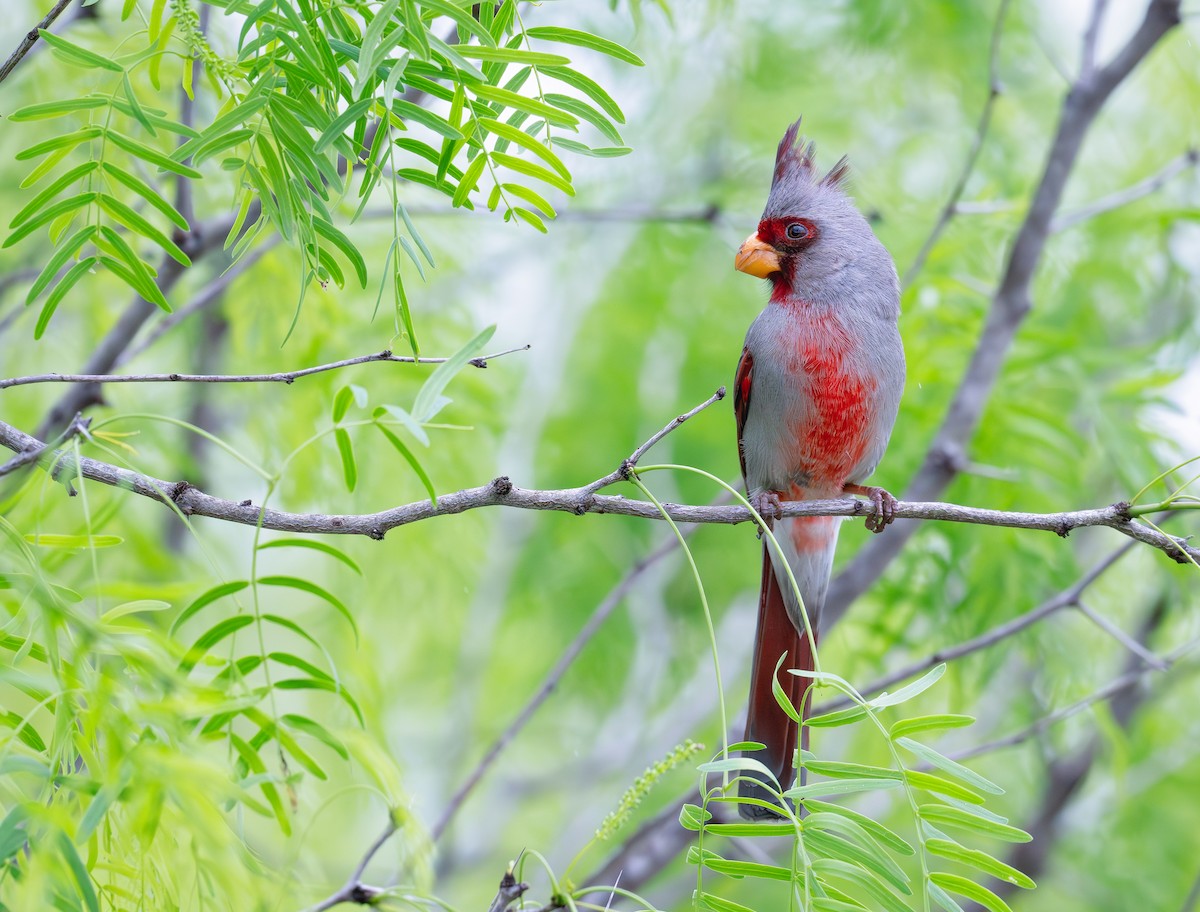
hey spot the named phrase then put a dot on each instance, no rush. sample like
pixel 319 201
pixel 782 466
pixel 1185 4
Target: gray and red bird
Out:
pixel 816 394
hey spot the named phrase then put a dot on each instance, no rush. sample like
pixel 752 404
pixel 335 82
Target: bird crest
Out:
pixel 796 158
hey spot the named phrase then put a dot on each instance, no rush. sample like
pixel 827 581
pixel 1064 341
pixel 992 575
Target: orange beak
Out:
pixel 756 258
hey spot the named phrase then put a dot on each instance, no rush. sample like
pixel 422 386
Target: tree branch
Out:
pixel 1130 194
pixel 78 425
pixel 354 890
pixel 30 39
pixel 281 377
pixel 1010 304
pixel 500 491
pixel 988 638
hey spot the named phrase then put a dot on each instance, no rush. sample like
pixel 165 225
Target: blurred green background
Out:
pixel 633 314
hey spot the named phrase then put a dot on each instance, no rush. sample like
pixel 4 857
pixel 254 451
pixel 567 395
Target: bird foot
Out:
pixel 766 504
pixel 883 505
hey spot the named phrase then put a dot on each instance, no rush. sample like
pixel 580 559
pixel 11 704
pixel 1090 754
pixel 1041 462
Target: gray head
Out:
pixel 812 243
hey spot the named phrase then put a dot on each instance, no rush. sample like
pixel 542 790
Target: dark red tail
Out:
pixel 766 721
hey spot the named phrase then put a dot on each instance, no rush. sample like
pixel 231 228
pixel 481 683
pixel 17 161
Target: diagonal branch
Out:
pixel 354 890
pixel 1132 193
pixel 30 39
pixel 1011 303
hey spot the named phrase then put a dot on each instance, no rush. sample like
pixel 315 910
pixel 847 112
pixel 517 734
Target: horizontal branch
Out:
pixel 281 377
pixel 191 501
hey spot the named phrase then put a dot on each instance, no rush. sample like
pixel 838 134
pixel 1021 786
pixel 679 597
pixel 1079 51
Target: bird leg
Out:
pixel 766 504
pixel 883 505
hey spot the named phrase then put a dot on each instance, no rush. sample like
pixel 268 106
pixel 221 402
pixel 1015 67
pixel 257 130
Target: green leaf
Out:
pixel 930 783
pixel 68 281
pixel 151 155
pixel 136 280
pixel 511 55
pixel 73 53
pixel 428 401
pixel 39 201
pixel 148 193
pixel 601 152
pixel 49 214
pixel 339 240
pixel 872 826
pixel 341 402
pixel 719 904
pixel 692 817
pixel 529 217
pixel 134 221
pixel 536 171
pixel 351 115
pixel 943 816
pixel 861 878
pixel 346 450
pixel 585 111
pixel 840 787
pixel 408 111
pixel 739 869
pixel 292 582
pixel 932 757
pixel 65 252
pixel 205 599
pixel 134 607
pixel 980 860
pixel 584 39
pixel 212 636
pixel 58 108
pixel 929 723
pixel 13 832
pixel 68 854
pixel 411 460
pixel 909 691
pixel 971 890
pixel 525 141
pixel 323 685
pixel 97 808
pixel 52 540
pixel 942 898
pixel 520 102
pixel 532 197
pixel 28 736
pixel 468 181
pixel 588 87
pixel 315 730
pixel 839 770
pixel 873 859
pixel 836 718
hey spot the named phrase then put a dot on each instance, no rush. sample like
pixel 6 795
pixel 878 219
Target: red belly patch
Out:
pixel 832 440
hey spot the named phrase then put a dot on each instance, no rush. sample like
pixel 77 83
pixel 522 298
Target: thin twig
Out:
pixel 30 39
pixel 78 425
pixel 988 638
pixel 354 890
pixel 1090 38
pixel 985 118
pixel 281 377
pixel 1120 636
pixel 1130 194
pixel 191 501
pixel 510 891
pixel 204 298
pixel 1113 688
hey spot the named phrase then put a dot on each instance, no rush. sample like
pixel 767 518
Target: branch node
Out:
pixel 364 894
pixel 385 354
pixel 173 377
pixel 502 485
pixel 376 533
pixel 478 362
pixel 244 503
pixel 1063 529
pixel 626 470
pixel 176 493
pixel 1122 510
pixel 720 393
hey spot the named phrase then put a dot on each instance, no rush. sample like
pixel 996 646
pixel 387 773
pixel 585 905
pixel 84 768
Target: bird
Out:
pixel 816 395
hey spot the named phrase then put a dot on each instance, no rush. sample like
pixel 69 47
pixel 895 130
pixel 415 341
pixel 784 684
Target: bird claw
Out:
pixel 883 506
pixel 766 504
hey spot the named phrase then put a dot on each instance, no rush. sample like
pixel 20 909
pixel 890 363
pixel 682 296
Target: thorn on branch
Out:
pixel 510 891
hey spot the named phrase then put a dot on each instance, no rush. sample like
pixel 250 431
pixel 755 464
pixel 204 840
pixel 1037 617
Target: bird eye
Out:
pixel 796 231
